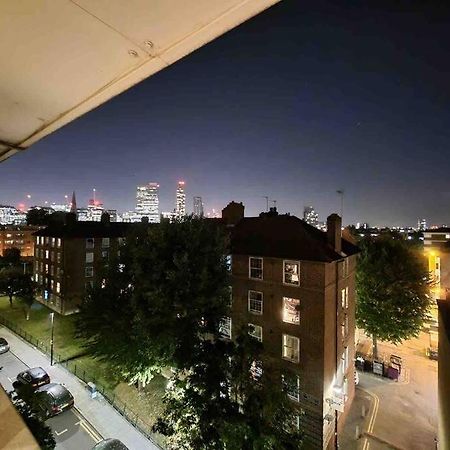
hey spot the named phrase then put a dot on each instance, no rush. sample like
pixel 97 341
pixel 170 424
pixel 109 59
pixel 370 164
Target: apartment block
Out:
pixel 295 286
pixel 69 257
pixel 18 236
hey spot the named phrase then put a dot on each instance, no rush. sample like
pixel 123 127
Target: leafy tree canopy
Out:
pixel 41 432
pixel 14 283
pixel 37 216
pixel 10 258
pixel 227 401
pixel 392 289
pixel 155 304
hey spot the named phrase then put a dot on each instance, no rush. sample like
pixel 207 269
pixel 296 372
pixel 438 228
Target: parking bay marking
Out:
pixel 61 432
pixel 87 427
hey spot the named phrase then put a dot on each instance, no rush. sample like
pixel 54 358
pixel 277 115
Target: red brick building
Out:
pixel 68 258
pixel 295 285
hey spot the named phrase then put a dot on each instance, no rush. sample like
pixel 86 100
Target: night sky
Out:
pixel 304 99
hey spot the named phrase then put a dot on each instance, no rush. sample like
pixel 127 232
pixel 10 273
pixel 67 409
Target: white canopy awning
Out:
pixel 62 58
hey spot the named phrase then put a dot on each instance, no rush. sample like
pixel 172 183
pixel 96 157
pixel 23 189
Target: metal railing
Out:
pixel 71 365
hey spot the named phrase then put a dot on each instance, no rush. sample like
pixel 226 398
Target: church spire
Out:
pixel 73 204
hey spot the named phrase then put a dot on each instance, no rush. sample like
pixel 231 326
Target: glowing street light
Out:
pixel 52 318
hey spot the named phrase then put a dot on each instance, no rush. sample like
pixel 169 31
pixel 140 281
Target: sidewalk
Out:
pixel 105 419
pixel 357 420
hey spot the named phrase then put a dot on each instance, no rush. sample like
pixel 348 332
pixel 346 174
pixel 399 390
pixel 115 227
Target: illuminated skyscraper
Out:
pixel 198 207
pixel 422 224
pixel 147 202
pixel 310 216
pixel 181 200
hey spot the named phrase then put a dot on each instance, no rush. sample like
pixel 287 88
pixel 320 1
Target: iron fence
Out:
pixel 71 365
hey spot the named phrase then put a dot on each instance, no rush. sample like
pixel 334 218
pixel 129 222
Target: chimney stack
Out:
pixel 233 213
pixel 334 232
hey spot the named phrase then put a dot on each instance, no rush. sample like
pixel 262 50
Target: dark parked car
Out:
pixel 34 377
pixel 4 346
pixel 52 399
pixel 110 444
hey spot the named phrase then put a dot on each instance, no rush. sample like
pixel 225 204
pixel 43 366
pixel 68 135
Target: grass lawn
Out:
pixel 145 404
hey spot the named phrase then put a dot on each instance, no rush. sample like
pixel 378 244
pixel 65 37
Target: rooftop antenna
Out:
pixel 93 192
pixel 274 203
pixel 341 193
pixel 267 202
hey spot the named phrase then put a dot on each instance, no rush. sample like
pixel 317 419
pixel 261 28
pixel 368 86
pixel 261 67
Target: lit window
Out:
pixel 291 348
pixel 225 327
pixel 291 310
pixel 58 257
pixel 256 268
pixel 291 273
pixel 255 331
pixel 36 277
pixel 255 302
pixel 256 370
pixel 53 242
pixel 105 242
pixel 46 268
pixel 47 254
pixel 89 272
pixel 344 297
pixel 89 257
pixel 58 287
pixel 291 385
pixel 104 254
pixel 58 242
pixel 344 326
pixel 90 243
pixel 229 262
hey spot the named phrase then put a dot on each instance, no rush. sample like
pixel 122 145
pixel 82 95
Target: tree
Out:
pixel 41 432
pixel 392 286
pixel 154 305
pixel 37 216
pixel 225 402
pixel 14 283
pixel 11 258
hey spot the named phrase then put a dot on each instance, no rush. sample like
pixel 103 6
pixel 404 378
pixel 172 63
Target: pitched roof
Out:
pixel 284 236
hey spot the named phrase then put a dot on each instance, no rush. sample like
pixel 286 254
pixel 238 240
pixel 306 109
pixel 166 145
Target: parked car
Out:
pixel 110 444
pixel 33 377
pixel 52 399
pixel 4 346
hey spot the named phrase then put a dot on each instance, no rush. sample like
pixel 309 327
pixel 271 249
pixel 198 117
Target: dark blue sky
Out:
pixel 304 99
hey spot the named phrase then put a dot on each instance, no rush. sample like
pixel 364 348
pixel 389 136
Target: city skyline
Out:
pixel 329 112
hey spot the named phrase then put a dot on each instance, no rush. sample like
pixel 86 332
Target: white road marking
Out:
pixel 61 432
pixel 87 427
pixel 10 380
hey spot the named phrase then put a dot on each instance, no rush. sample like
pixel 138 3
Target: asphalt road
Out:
pixel 70 429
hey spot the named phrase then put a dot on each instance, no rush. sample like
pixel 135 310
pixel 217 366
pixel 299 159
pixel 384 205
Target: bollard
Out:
pixel 363 410
pixel 357 434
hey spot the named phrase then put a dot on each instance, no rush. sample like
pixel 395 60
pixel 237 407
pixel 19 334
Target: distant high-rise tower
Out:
pixel 422 224
pixel 310 216
pixel 198 207
pixel 147 202
pixel 181 200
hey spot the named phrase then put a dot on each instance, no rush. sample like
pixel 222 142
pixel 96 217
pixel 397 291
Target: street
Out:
pixel 402 415
pixel 70 428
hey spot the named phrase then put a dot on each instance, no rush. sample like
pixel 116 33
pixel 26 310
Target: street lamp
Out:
pixel 52 318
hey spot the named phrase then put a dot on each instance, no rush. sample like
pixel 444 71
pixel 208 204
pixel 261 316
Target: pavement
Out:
pixel 399 415
pixel 81 427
